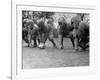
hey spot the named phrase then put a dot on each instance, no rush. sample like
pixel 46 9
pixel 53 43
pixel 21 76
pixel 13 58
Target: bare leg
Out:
pixel 52 40
pixel 76 43
pixel 61 41
pixel 76 39
pixel 29 40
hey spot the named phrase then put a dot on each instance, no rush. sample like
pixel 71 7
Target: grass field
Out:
pixel 53 57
